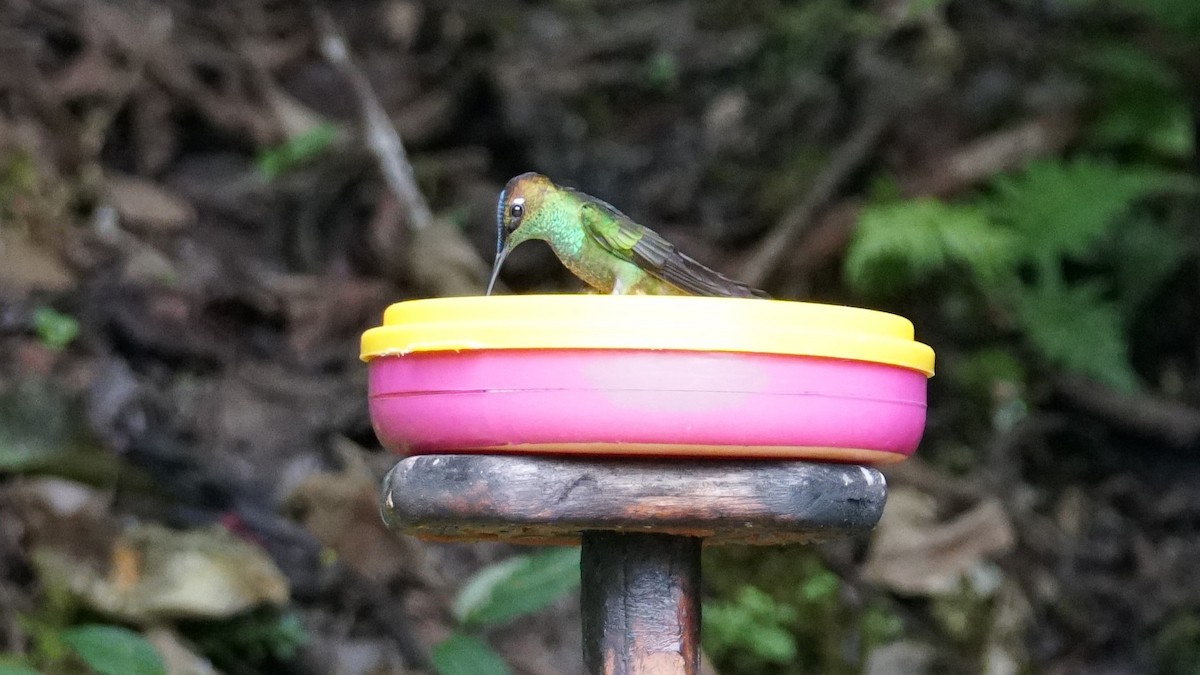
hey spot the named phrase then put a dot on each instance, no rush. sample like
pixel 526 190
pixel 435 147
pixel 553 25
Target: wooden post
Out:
pixel 641 604
pixel 641 524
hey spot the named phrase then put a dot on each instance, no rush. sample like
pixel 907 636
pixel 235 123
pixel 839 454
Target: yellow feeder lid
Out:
pixel 656 322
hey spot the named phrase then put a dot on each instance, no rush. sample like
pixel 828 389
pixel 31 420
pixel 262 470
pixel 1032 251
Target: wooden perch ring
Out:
pixel 553 500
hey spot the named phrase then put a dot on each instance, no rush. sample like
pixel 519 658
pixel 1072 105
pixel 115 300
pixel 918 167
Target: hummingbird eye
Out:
pixel 516 211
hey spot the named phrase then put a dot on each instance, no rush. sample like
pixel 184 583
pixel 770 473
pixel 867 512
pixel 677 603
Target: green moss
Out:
pixel 1177 645
pixel 781 610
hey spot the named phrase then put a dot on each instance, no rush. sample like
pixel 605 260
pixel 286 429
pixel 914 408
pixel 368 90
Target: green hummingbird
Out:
pixel 599 244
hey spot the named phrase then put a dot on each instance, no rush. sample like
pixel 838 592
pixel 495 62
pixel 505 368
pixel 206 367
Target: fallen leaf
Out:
pixel 26 266
pixel 904 657
pixel 401 21
pixel 178 657
pixel 91 74
pixel 323 311
pixel 145 205
pixel 63 514
pixel 157 574
pixel 40 431
pixel 913 552
pixel 342 512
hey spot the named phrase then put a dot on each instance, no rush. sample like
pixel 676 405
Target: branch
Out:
pixel 846 160
pixel 381 135
pixel 945 175
pixel 989 155
pixel 1175 423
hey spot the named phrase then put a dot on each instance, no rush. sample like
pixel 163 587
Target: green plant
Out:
pixel 462 654
pixel 296 151
pixel 41 432
pixel 54 329
pixel 805 37
pixel 900 243
pixel 496 594
pixel 103 649
pixel 1143 103
pixel 750 630
pixel 662 71
pixel 261 637
pixel 879 625
pixel 1177 644
pixel 517 586
pixel 113 650
pixel 1177 15
pixel 1016 243
pixel 784 612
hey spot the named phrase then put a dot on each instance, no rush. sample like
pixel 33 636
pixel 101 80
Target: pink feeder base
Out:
pixel 647 403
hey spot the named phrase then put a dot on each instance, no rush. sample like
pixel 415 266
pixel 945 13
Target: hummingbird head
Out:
pixel 520 196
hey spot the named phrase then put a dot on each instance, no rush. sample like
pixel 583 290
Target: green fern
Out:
pixel 1117 60
pixel 1050 212
pixel 1076 328
pixel 1143 103
pixel 896 245
pixel 1178 15
pixel 1145 254
pixel 1174 15
pixel 752 630
pixel 1062 209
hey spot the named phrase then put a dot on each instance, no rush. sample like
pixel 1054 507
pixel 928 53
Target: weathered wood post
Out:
pixel 640 603
pixel 644 428
pixel 641 523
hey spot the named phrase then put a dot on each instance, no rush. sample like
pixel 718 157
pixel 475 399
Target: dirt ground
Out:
pixel 195 229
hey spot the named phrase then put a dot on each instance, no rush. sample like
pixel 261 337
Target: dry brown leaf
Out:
pixel 145 205
pixel 90 75
pixel 26 266
pixel 178 657
pixel 401 21
pixel 996 152
pixel 1011 622
pixel 145 574
pixel 913 552
pixel 903 657
pixel 158 574
pixel 342 512
pixel 323 310
pixel 137 27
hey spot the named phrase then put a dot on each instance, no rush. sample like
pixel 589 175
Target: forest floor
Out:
pixel 195 230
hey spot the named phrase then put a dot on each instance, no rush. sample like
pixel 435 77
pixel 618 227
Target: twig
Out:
pixel 156 28
pixel 1175 423
pixel 1001 151
pixel 950 174
pixel 825 239
pixel 381 135
pixel 846 159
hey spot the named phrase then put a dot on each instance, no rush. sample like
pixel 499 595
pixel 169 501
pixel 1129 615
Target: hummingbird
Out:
pixel 599 244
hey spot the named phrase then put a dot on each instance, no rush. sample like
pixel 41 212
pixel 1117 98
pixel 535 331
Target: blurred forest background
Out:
pixel 202 206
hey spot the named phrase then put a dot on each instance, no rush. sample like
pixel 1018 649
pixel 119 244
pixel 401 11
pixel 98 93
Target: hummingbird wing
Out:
pixel 640 245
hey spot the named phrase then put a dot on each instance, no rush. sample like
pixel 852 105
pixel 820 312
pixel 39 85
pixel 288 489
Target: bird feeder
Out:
pixel 642 427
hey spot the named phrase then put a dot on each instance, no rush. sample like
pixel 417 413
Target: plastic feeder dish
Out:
pixel 649 376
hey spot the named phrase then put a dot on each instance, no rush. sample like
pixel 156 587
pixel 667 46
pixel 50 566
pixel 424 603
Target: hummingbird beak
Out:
pixel 501 254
